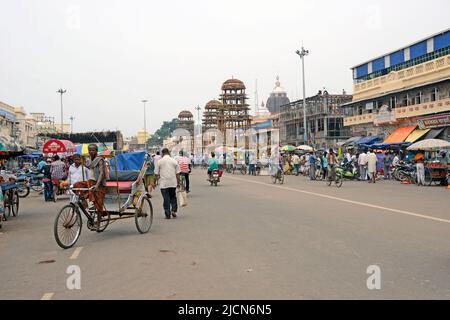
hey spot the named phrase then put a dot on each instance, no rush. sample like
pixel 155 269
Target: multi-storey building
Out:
pixel 404 90
pixel 7 125
pixel 25 128
pixel 325 123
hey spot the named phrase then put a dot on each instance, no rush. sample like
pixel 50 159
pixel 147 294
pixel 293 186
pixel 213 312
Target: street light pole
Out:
pixel 71 124
pixel 61 92
pixel 302 55
pixel 145 124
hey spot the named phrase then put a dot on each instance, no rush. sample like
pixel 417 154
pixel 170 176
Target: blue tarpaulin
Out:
pixel 383 146
pixel 129 161
pixel 368 140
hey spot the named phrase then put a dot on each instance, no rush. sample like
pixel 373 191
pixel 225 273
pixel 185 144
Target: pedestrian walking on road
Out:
pixel 296 162
pixel 387 161
pixel 420 168
pixel 324 163
pixel 167 171
pixel 362 162
pixel 47 180
pixel 312 166
pixel 149 179
pixel 372 166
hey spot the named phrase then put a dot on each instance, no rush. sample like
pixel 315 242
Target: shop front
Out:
pixel 438 126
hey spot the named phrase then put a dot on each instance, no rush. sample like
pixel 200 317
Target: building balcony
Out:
pixel 403 112
pixel 423 109
pixel 360 119
pixel 431 71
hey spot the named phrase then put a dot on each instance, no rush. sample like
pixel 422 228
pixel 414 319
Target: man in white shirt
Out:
pixel 348 156
pixel 76 174
pixel 167 171
pixel 76 171
pixel 362 162
pixel 296 163
pixel 396 160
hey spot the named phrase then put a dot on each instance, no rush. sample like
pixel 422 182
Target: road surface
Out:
pixel 246 239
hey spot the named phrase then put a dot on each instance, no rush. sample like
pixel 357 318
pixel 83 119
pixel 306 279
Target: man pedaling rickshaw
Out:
pixel 96 181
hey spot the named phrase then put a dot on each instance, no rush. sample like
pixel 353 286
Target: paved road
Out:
pixel 246 239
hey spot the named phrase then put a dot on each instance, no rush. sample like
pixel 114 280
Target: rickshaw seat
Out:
pixel 124 186
pixel 129 175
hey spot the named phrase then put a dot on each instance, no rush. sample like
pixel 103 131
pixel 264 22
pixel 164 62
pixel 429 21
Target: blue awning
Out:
pixel 383 146
pixel 368 140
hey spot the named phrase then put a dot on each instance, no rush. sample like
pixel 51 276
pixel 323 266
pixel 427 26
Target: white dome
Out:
pixel 278 88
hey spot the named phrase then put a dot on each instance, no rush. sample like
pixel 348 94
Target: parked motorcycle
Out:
pixel 348 171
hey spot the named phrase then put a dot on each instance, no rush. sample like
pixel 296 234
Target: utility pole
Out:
pixel 302 53
pixel 61 92
pixel 71 124
pixel 145 124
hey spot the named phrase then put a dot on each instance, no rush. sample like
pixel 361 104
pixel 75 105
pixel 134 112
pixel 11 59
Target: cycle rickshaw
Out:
pixel 10 193
pixel 126 198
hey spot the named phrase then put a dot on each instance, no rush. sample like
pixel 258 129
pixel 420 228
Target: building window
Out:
pixel 393 102
pixel 360 110
pixel 320 125
pixel 418 98
pixel 405 101
pixel 434 94
pixel 312 125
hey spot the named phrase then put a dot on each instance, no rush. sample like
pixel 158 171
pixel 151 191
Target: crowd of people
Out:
pixel 369 165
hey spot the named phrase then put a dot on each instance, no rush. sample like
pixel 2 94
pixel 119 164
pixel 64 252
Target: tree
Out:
pixel 163 133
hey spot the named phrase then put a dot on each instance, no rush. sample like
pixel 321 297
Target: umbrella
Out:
pixel 305 148
pixel 430 145
pixel 288 148
pixel 225 149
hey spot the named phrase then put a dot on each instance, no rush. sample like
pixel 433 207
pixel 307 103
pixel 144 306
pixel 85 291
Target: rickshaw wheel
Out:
pixel 67 227
pixel 7 204
pixel 144 216
pixel 15 204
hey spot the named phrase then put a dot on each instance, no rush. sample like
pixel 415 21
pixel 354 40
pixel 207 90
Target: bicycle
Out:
pixel 334 176
pixel 278 176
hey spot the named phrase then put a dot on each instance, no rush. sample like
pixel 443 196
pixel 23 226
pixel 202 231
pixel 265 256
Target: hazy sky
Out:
pixel 109 55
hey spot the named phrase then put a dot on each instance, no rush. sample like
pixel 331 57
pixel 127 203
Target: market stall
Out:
pixel 438 169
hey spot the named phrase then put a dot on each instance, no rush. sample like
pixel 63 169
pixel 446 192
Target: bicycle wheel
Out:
pixel 15 204
pixel 67 226
pixel 144 216
pixel 338 180
pixel 428 177
pixel 23 191
pixel 274 179
pixel 329 180
pixel 37 187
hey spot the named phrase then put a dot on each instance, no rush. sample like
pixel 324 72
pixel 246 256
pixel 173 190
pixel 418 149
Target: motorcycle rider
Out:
pixel 213 164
